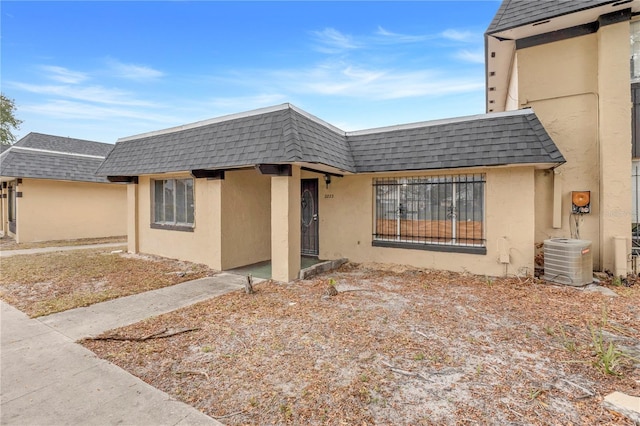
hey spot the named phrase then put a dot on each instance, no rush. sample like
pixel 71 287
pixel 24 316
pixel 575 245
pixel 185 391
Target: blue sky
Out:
pixel 104 70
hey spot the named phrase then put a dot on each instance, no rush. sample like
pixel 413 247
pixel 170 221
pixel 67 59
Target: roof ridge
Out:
pixel 439 122
pixel 291 138
pixel 60 137
pixel 48 151
pixel 317 120
pixel 544 138
pixel 202 123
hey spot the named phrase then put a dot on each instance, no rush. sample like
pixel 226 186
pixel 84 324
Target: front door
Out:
pixel 309 217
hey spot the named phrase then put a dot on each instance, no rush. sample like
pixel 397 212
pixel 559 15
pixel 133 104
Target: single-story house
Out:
pixel 278 183
pixel 49 191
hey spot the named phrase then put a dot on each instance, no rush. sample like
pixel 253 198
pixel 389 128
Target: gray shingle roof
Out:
pixel 282 134
pixel 515 13
pixel 515 137
pixel 40 156
pixel 285 134
pixel 64 144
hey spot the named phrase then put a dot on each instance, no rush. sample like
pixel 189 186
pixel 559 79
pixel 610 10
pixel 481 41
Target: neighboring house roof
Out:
pixel 64 144
pixel 41 156
pixel 3 148
pixel 286 134
pixel 515 13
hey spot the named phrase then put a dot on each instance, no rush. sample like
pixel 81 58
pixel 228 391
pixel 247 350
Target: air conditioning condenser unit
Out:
pixel 568 261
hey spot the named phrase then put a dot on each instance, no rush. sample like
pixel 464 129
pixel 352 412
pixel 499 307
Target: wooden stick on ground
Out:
pixel 157 335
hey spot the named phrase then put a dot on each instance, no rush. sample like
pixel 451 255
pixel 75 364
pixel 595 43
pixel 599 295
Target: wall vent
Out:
pixel 568 261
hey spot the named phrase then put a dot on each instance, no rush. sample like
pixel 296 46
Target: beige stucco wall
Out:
pixel 579 88
pixel 58 210
pixel 246 218
pixel 200 246
pixel 346 224
pixel 232 221
pixel 615 145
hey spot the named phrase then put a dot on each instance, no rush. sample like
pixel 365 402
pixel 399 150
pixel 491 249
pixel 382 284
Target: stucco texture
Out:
pixel 60 210
pixel 232 221
pixel 346 225
pixel 579 89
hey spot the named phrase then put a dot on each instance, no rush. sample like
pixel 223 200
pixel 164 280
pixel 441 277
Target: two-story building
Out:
pixel 577 65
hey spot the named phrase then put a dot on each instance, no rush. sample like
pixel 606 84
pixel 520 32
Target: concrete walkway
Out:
pixel 9 253
pixel 95 319
pixel 47 379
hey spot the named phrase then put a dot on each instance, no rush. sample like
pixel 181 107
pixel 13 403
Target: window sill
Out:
pixel 430 247
pixel 182 228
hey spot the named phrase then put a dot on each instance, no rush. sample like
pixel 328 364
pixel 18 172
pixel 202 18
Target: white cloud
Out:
pixel 460 36
pixel 133 71
pixel 94 94
pixel 374 84
pixel 388 36
pixel 73 110
pixel 333 41
pixel 476 57
pixel 64 75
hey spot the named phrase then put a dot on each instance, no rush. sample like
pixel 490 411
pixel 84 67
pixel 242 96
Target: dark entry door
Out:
pixel 309 217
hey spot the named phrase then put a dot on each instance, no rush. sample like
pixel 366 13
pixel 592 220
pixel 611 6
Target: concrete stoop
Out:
pixel 321 267
pixel 628 406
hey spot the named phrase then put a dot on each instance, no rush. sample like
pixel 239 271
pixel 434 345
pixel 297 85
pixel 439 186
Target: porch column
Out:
pixel 285 226
pixel 132 217
pixel 615 140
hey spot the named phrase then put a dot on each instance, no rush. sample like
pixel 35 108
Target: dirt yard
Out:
pixel 394 347
pixel 42 284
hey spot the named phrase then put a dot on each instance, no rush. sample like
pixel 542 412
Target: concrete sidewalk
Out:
pixel 47 379
pixel 95 319
pixel 9 253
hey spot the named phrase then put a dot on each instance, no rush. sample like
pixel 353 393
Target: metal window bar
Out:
pixel 440 210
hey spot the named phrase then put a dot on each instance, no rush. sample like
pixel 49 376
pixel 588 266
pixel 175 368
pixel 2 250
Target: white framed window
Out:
pixel 443 213
pixel 173 204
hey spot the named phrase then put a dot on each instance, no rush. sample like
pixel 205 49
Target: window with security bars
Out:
pixel 173 202
pixel 433 211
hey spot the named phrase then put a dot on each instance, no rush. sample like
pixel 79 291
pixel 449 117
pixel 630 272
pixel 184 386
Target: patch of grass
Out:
pixel 47 283
pixel 535 393
pixel 569 344
pixel 7 243
pixel 286 411
pixel 608 357
pixel 70 301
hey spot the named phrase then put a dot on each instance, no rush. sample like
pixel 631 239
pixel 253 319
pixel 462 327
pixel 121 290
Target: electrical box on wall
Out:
pixel 580 202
